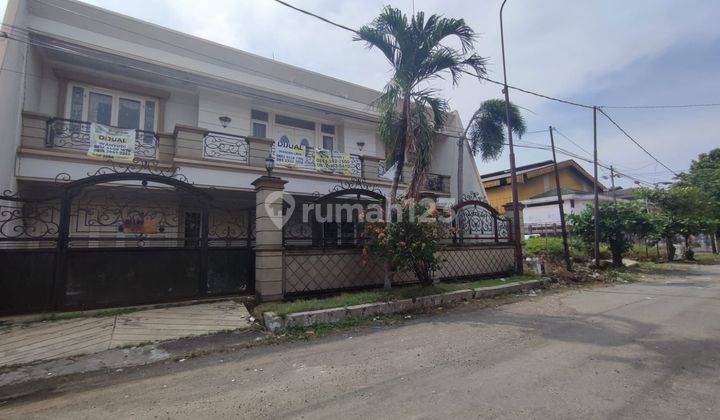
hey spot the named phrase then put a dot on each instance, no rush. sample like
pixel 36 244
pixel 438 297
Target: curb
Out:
pixel 275 323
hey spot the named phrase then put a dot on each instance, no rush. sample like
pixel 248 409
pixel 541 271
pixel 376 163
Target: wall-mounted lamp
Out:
pixel 269 164
pixel 224 121
pixel 360 145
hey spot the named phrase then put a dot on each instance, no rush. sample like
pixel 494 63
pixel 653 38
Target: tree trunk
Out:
pixel 689 254
pixel 461 155
pixel 713 243
pixel 617 258
pixel 386 275
pixel 416 182
pixel 400 148
pixel 670 249
pixel 461 152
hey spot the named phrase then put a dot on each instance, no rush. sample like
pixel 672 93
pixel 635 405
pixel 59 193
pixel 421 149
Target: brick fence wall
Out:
pixel 307 271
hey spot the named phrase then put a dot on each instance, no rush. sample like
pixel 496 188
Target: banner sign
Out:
pixel 140 224
pixel 288 155
pixel 333 162
pixel 112 143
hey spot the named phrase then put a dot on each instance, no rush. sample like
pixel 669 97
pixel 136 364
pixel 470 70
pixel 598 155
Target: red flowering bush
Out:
pixel 409 241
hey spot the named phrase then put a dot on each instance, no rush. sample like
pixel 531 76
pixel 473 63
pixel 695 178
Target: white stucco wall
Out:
pixel 445 157
pixel 12 59
pixel 41 85
pixel 354 133
pixel 181 108
pixel 550 214
pixel 212 105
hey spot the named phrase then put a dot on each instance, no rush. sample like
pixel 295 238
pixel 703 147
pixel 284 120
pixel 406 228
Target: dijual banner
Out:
pixel 288 155
pixel 112 143
pixel 333 162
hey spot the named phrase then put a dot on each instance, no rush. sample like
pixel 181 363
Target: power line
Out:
pixel 706 105
pixel 448 134
pixel 571 141
pixel 46 45
pixel 462 71
pixel 317 16
pixel 622 130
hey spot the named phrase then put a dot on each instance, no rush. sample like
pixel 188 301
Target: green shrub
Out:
pixel 640 253
pixel 551 248
pixel 544 247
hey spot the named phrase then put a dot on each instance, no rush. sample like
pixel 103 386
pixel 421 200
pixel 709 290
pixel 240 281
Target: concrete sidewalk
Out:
pixel 26 343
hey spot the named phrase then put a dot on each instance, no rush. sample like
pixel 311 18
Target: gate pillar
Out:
pixel 268 238
pixel 509 215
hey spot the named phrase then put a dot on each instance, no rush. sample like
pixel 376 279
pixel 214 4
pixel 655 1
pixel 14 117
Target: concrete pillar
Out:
pixel 258 150
pixel 370 167
pixel 268 238
pixel 509 215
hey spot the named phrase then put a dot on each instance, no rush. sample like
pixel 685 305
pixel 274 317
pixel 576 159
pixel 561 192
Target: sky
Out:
pixel 602 52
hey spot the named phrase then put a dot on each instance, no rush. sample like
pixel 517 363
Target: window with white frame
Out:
pixel 111 107
pixel 328 136
pixel 259 121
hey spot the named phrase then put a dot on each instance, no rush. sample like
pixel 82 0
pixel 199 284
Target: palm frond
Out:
pixel 373 37
pixel 447 27
pixel 487 131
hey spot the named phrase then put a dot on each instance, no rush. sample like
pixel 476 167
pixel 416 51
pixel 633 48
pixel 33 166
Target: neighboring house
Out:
pixel 537 191
pixel 206 118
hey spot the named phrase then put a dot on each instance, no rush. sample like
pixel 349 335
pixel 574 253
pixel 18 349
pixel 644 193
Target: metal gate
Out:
pixel 121 236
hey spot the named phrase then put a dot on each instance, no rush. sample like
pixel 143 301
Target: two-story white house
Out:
pixel 202 111
pixel 207 106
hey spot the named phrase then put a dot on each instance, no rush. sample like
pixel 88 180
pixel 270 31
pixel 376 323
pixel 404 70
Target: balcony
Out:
pixel 193 146
pixel 72 135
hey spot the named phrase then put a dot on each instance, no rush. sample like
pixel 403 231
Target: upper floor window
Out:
pixel 328 136
pixel 259 123
pixel 109 107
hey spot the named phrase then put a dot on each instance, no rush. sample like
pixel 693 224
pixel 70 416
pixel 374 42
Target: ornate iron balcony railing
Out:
pixel 225 147
pixel 75 135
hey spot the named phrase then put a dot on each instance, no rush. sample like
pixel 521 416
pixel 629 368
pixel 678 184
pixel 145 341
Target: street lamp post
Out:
pixel 516 206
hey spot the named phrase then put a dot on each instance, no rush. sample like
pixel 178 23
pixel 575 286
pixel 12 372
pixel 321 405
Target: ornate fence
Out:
pixel 326 257
pixel 477 222
pixel 121 236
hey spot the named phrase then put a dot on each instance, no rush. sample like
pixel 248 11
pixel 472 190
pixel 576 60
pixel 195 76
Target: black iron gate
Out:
pixel 121 236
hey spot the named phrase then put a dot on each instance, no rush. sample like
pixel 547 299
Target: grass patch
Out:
pixel 706 259
pixel 282 309
pixel 61 316
pixel 320 330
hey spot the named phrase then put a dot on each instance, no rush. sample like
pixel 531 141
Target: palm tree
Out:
pixel 411 115
pixel 485 133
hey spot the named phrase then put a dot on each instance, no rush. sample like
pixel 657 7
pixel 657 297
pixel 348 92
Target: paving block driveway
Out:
pixel 26 343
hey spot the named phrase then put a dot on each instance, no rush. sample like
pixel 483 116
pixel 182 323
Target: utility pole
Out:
pixel 516 204
pixel 561 206
pixel 596 209
pixel 612 184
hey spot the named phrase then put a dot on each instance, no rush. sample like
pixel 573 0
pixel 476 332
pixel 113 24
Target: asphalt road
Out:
pixel 642 350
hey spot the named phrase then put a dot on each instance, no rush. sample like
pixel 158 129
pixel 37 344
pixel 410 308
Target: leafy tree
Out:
pixel 704 173
pixel 618 223
pixel 681 210
pixel 486 132
pixel 411 114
